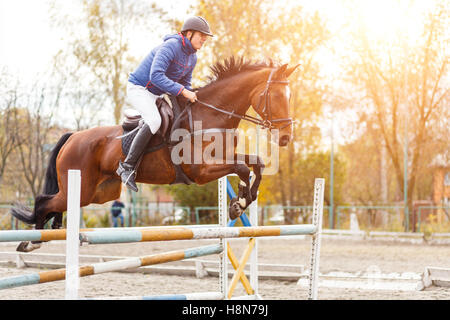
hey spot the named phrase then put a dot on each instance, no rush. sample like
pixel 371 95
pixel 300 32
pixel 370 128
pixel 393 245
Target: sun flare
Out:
pixel 391 20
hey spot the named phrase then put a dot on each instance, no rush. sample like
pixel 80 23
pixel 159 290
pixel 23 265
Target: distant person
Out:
pixel 116 212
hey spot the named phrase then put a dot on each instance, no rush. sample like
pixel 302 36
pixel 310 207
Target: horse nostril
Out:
pixel 285 140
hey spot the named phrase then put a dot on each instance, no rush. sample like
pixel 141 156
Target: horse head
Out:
pixel 271 101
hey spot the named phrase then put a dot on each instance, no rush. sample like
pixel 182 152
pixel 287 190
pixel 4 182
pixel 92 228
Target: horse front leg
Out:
pixel 240 203
pixel 257 164
pixel 210 172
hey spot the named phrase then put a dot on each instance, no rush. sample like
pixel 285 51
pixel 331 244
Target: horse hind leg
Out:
pixel 45 208
pixel 52 206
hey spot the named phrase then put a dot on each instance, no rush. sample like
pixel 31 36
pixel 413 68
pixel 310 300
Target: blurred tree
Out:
pixel 34 130
pixel 304 169
pixel 8 128
pixel 84 105
pixel 239 28
pixel 101 37
pixel 400 81
pixel 367 170
pixel 300 35
pixel 198 196
pixel 195 196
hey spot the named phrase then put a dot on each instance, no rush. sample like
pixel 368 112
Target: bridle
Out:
pixel 264 98
pixel 267 109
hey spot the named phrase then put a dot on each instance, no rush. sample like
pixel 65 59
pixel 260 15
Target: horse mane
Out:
pixel 234 65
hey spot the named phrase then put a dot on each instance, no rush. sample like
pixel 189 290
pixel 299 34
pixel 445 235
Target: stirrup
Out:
pixel 122 172
pixel 131 184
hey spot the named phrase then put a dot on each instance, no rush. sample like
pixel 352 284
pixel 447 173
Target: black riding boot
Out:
pixel 127 169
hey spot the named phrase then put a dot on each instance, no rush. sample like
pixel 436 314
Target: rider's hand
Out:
pixel 191 96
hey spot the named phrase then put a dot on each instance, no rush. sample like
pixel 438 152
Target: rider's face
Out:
pixel 198 39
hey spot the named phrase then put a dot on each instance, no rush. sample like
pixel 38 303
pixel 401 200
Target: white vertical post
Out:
pixel 223 214
pixel 319 186
pixel 73 234
pixel 254 255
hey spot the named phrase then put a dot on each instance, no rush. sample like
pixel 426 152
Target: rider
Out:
pixel 166 69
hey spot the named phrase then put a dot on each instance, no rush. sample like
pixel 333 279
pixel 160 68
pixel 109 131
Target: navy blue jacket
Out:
pixel 168 67
pixel 116 208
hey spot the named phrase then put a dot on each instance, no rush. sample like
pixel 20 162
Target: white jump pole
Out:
pixel 254 281
pixel 73 234
pixel 222 199
pixel 319 187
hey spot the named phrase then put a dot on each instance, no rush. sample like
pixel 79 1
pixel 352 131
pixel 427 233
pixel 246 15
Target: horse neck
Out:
pixel 232 94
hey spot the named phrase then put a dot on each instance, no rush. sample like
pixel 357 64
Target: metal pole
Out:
pixel 331 212
pixel 254 254
pixel 405 161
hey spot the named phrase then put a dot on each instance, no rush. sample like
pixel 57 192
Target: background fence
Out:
pixel 370 218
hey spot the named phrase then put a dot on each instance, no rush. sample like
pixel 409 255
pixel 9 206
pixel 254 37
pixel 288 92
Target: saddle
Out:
pixel 171 115
pixel 165 106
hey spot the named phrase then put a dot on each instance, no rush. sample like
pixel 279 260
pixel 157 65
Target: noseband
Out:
pixel 267 121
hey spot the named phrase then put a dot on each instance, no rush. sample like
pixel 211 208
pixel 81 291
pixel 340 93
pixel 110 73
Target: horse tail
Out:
pixel 51 188
pixel 51 176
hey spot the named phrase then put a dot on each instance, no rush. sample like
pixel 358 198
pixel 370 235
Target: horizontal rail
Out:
pixel 186 296
pixel 166 234
pixel 102 267
pixel 60 234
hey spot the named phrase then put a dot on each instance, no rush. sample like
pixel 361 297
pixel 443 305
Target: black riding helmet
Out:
pixel 197 24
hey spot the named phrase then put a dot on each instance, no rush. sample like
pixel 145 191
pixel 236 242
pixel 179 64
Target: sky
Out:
pixel 27 42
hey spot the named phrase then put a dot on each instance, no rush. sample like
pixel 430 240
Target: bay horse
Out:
pixel 236 85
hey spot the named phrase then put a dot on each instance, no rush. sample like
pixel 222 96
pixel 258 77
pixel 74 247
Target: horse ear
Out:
pixel 290 70
pixel 280 71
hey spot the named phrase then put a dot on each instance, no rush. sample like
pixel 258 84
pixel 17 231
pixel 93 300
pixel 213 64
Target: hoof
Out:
pixel 26 246
pixel 22 246
pixel 235 210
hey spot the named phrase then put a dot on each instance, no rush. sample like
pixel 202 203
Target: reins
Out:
pixel 233 114
pixel 267 122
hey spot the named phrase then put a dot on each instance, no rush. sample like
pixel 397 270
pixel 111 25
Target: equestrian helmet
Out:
pixel 197 23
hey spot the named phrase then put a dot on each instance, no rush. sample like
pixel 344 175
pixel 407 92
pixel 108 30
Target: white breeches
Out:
pixel 144 101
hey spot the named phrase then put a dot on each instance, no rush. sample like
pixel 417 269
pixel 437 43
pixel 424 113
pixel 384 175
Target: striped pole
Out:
pixel 60 234
pixel 186 296
pixel 32 235
pixel 166 234
pixel 60 274
pixel 161 233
